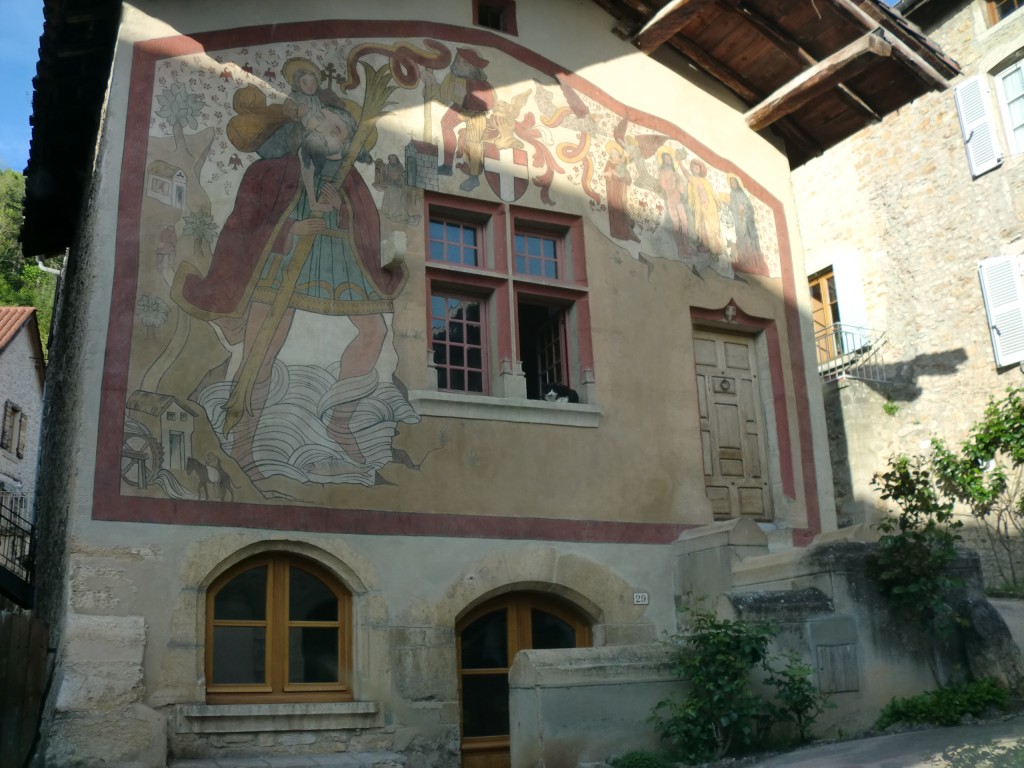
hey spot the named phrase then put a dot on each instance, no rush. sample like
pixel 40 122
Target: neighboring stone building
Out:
pixel 900 217
pixel 468 320
pixel 22 371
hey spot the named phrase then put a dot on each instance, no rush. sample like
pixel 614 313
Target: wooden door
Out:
pixel 488 639
pixel 731 426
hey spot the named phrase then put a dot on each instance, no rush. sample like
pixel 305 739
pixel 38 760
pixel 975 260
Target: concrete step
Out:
pixel 335 760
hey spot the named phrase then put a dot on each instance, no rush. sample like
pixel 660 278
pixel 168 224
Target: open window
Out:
pixel 499 15
pixel 508 302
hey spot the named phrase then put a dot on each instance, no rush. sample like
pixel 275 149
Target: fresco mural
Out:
pixel 263 353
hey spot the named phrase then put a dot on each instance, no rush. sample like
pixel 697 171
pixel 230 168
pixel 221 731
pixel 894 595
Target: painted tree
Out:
pixel 180 107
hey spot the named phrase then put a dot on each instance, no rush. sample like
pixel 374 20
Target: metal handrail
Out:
pixel 850 352
pixel 17 535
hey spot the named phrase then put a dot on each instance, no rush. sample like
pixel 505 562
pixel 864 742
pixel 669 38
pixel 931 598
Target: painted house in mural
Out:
pixel 913 232
pixel 459 324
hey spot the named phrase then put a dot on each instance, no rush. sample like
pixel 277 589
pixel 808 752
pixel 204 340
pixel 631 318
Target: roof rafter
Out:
pixel 665 23
pixel 825 75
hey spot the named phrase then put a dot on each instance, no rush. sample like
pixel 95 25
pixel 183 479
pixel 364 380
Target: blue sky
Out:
pixel 19 50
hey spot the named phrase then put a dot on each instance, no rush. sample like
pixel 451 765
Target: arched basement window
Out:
pixel 278 628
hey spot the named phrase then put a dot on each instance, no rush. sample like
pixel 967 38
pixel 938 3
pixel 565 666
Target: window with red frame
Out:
pixel 505 283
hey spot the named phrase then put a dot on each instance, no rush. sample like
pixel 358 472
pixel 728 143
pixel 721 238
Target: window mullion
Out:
pixel 277 616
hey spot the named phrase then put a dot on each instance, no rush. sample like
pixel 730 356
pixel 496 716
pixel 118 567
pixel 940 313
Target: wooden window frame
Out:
pixel 828 347
pixel 519 637
pixel 993 13
pixel 275 687
pixel 1014 144
pixel 15 424
pixel 496 281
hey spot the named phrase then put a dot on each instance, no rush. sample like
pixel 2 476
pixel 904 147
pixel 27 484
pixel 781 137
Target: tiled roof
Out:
pixel 11 321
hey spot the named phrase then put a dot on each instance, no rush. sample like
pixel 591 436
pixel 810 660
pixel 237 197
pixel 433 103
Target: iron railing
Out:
pixel 16 535
pixel 850 352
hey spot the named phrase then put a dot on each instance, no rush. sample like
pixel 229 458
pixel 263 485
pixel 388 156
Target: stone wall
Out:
pixel 898 201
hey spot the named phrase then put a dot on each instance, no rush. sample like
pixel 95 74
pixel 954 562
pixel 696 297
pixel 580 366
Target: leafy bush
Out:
pixel 944 706
pixel 640 759
pixel 918 545
pixel 723 713
pixel 797 699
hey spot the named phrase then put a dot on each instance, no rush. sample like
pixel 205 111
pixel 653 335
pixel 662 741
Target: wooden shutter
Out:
pixel 22 432
pixel 978 125
pixel 1004 304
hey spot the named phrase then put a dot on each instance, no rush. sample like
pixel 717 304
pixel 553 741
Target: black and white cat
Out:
pixel 559 393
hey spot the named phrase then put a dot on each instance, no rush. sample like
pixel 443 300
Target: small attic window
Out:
pixel 496 14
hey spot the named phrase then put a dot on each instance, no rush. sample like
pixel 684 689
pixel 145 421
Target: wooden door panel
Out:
pixel 731 426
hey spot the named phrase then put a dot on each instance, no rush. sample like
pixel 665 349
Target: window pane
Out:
pixel 550 269
pixel 457 357
pixel 457 380
pixel 454 253
pixel 442 378
pixel 485 705
pixel 485 642
pixel 239 655
pixel 549 631
pixel 313 655
pixel 244 598
pixel 436 230
pixel 521 264
pixel 475 382
pixel 309 599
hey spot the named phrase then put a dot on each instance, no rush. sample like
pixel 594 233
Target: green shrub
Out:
pixel 722 713
pixel 944 706
pixel 640 759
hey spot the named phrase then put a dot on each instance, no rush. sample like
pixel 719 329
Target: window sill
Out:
pixel 448 404
pixel 251 718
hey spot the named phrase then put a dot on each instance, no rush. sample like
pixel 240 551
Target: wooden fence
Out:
pixel 23 644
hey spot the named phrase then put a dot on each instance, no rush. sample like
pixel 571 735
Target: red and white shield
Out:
pixel 506 171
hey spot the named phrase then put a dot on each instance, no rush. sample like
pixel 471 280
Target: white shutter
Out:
pixel 1004 303
pixel 977 125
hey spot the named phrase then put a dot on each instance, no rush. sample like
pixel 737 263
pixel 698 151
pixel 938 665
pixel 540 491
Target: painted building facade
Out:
pixel 903 226
pixel 396 346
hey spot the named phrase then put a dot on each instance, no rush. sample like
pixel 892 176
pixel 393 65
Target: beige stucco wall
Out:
pixel 896 208
pixel 131 634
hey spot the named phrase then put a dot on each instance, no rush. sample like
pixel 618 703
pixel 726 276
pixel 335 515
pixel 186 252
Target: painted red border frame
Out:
pixel 109 504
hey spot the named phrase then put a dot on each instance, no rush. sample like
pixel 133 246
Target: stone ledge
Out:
pixel 345 760
pixel 457 406
pixel 253 718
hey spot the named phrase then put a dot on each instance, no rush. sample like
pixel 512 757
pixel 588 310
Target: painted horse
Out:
pixel 207 475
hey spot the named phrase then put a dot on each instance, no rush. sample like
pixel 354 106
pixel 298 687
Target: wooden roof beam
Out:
pixel 665 23
pixel 827 74
pixel 925 71
pixel 796 52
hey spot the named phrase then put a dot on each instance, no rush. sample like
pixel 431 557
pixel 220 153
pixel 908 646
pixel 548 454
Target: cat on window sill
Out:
pixel 559 393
